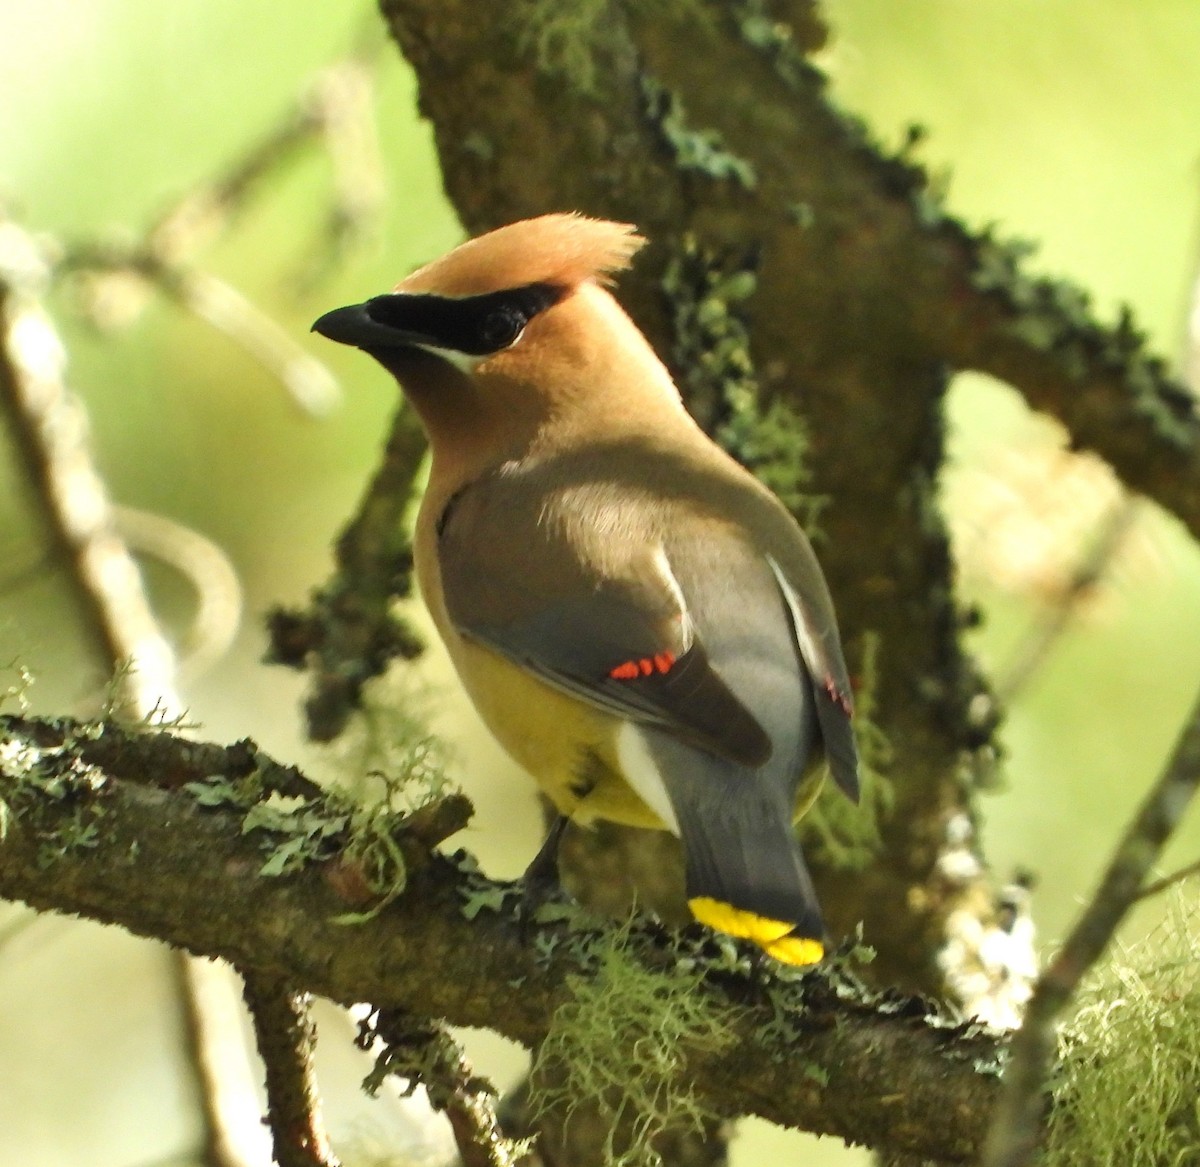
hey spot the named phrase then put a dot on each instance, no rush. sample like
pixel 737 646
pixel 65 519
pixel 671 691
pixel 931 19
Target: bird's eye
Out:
pixel 500 328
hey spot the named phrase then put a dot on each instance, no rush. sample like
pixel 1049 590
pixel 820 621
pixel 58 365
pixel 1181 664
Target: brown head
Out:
pixel 511 342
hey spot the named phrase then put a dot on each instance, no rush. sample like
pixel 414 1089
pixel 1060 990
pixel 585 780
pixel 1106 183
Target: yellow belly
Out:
pixel 549 732
pixel 568 746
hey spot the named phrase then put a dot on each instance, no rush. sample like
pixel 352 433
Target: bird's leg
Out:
pixel 541 879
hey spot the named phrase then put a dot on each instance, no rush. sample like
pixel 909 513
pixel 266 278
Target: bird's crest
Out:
pixel 563 250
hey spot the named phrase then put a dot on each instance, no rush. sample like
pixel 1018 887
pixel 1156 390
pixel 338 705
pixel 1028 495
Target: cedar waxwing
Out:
pixel 640 622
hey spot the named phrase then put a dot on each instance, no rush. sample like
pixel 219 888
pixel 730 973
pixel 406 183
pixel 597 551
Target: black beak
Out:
pixel 354 325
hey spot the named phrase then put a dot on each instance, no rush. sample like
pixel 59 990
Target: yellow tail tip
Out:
pixel 772 936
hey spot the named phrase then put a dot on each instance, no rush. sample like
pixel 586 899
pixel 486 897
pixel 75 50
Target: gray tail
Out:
pixel 740 845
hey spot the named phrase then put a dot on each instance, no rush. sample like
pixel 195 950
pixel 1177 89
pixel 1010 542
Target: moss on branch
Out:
pixel 164 865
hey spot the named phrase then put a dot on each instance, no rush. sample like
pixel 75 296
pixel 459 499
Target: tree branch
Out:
pixel 350 631
pixel 425 1054
pixel 90 830
pixel 1017 1131
pixel 287 1036
pixel 222 1067
pixel 50 429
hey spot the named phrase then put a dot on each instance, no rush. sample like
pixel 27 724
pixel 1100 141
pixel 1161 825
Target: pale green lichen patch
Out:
pixel 773 38
pixel 388 751
pixel 1055 317
pixel 53 793
pixel 700 150
pixel 836 832
pixel 711 355
pixel 562 36
pixel 621 1042
pixel 1125 1091
pixel 293 832
pixel 14 688
pixel 400 769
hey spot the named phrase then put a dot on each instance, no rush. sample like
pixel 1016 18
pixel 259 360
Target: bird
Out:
pixel 640 623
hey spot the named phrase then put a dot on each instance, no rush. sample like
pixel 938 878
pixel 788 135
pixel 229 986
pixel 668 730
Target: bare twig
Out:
pixel 336 109
pixel 310 384
pixel 51 433
pixel 1168 881
pixel 423 1052
pixel 345 95
pixel 351 632
pixel 209 571
pixel 287 1036
pixel 1017 1129
pixel 234 1134
pixel 1086 575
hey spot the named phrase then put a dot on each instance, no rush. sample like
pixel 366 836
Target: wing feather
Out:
pixel 551 608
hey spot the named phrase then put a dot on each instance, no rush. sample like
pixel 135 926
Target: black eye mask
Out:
pixel 473 325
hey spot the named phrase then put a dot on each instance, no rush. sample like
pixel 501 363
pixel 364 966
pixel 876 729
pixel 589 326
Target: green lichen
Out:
pixel 801 214
pixel 1055 317
pixel 16 681
pixel 1168 407
pixel 119 707
pixel 775 40
pixel 478 145
pixel 53 793
pixel 421 1052
pixel 621 1042
pixel 1125 1092
pixel 837 833
pixel 562 36
pixel 699 150
pixel 711 354
pixel 785 993
pixel 929 199
pixel 399 768
pixel 390 751
pixel 293 832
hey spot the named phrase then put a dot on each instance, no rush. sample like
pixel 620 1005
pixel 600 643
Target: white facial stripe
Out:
pixel 637 765
pixel 464 362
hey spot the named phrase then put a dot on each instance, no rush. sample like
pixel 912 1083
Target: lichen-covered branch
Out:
pixel 423 1053
pixel 89 829
pixel 287 1037
pixel 1113 394
pixel 350 632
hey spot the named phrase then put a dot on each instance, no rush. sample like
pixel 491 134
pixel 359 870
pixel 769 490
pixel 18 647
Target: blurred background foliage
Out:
pixel 1070 123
